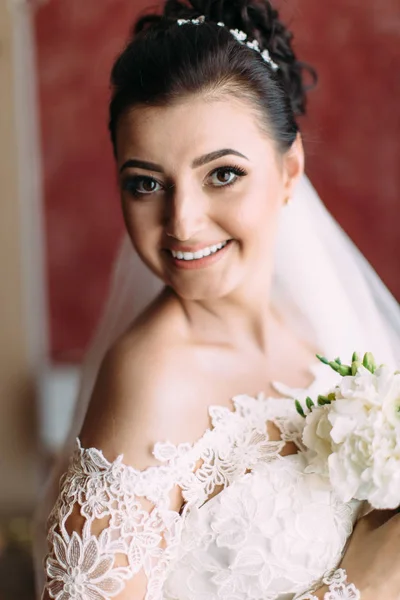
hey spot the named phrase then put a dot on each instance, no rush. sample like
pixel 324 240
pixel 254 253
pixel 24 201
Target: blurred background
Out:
pixel 60 221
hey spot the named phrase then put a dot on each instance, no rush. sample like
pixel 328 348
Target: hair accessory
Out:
pixel 240 36
pixel 198 21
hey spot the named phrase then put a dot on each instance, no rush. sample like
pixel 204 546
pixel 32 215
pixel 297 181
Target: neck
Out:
pixel 242 318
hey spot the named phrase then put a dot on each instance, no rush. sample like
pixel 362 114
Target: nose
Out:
pixel 185 215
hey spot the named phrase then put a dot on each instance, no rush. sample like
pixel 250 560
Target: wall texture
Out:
pixel 18 481
pixel 352 136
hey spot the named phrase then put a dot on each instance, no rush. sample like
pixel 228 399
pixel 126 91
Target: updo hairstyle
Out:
pixel 165 62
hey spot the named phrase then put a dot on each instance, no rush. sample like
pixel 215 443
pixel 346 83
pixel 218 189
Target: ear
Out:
pixel 293 166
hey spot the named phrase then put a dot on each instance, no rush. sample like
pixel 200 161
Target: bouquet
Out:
pixel 352 435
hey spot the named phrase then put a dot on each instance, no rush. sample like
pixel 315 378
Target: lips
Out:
pixel 204 257
pixel 198 254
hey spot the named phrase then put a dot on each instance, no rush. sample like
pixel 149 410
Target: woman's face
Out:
pixel 202 187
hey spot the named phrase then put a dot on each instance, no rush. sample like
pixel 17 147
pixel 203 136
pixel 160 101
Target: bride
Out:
pixel 185 483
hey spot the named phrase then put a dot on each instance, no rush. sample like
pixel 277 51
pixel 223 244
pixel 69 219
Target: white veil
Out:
pixel 323 287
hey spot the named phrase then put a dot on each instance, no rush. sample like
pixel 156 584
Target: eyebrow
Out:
pixel 198 162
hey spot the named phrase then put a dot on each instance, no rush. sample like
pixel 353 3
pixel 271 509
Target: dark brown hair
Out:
pixel 164 61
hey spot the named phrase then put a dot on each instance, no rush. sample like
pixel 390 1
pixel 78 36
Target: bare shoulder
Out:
pixel 146 391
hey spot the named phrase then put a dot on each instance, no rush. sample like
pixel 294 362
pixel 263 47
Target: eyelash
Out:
pixel 131 183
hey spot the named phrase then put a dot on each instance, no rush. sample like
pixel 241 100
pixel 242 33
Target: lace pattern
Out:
pixel 339 588
pixel 83 566
pixel 141 533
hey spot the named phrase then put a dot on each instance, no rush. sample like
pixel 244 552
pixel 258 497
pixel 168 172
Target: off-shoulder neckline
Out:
pixel 167 452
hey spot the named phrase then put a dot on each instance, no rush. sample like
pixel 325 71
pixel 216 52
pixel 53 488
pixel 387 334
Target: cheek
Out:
pixel 143 224
pixel 257 217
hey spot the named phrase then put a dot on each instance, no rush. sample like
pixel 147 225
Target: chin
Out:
pixel 196 291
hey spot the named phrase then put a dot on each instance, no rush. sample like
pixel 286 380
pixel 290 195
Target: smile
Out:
pixel 208 251
pixel 201 259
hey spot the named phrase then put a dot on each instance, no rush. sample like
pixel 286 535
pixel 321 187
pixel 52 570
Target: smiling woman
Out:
pixel 186 194
pixel 181 487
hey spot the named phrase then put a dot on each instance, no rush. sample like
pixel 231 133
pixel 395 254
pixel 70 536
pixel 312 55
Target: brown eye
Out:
pixel 141 186
pixel 149 186
pixel 225 176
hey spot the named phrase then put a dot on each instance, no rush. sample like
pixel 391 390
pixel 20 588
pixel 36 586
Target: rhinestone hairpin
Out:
pixel 240 36
pixel 197 21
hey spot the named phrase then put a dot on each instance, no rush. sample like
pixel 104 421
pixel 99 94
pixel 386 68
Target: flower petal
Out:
pixel 93 593
pixel 135 557
pixel 148 540
pixel 60 550
pixel 54 569
pixel 55 588
pixel 75 551
pixel 111 585
pixel 90 555
pixel 249 562
pixel 102 567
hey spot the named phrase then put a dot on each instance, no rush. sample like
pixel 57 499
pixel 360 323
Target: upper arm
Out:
pixel 109 528
pixel 144 394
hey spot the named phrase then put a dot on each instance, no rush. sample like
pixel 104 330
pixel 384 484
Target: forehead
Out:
pixel 187 129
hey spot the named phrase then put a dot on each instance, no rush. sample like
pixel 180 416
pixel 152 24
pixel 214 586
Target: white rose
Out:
pixel 348 467
pixel 355 440
pixel 366 466
pixel 361 386
pixel 345 416
pixel 316 437
pixel 388 385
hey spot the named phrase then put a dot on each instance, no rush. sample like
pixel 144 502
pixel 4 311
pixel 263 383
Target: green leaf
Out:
pixel 355 365
pixel 323 400
pixel 299 409
pixel 356 357
pixel 323 359
pixel 338 361
pixel 344 370
pixel 369 362
pixel 334 366
pixel 309 403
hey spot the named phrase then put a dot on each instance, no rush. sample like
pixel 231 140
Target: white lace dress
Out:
pixel 254 525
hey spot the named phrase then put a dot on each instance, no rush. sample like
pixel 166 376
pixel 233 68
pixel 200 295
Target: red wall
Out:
pixel 352 137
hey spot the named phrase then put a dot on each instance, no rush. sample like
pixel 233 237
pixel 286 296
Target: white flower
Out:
pixel 234 520
pixel 79 571
pixel 389 388
pixel 249 575
pixel 357 437
pixel 316 437
pixel 144 547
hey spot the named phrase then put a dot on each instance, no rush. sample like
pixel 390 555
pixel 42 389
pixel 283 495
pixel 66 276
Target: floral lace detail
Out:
pixel 141 533
pixel 80 569
pixel 275 530
pixel 84 566
pixel 339 588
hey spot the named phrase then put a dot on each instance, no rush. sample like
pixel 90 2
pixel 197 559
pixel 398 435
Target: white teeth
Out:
pixel 200 253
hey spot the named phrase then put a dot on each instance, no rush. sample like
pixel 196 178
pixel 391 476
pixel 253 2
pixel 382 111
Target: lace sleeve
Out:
pixel 126 527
